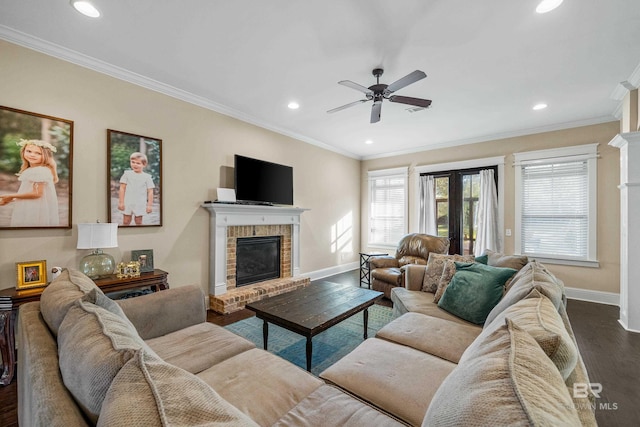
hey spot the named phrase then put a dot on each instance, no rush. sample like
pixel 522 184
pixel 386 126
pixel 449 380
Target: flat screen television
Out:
pixel 258 181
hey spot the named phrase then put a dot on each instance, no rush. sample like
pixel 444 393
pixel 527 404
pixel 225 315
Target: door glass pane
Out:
pixel 442 205
pixel 470 191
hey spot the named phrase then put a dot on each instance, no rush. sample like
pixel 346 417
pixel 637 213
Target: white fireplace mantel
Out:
pixel 227 215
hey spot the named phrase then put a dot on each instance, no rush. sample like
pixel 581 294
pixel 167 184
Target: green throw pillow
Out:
pixel 474 290
pixel 483 259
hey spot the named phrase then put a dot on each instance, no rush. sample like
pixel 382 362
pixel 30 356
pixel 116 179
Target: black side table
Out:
pixel 365 268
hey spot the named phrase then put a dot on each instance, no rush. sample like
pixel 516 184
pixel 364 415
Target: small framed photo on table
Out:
pixel 32 274
pixel 145 258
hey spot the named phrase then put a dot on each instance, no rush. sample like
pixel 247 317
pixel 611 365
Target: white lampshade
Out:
pixel 97 235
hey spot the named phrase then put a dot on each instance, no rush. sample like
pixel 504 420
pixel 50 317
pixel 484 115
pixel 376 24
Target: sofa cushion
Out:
pixel 507 381
pixel 150 392
pixel 532 276
pixel 442 338
pixel 256 376
pixel 398 379
pixel 405 301
pixel 93 344
pixel 63 291
pixel 536 315
pixel 199 347
pixel 328 406
pixel 474 290
pixel 435 266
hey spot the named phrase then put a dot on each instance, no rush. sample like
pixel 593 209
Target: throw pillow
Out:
pixel 537 315
pixel 474 290
pixel 150 392
pixel 507 381
pixel 533 276
pixel 447 274
pixel 483 259
pixel 59 296
pixel 93 345
pixel 497 259
pixel 435 266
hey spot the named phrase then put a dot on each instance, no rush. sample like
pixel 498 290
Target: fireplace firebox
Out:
pixel 257 259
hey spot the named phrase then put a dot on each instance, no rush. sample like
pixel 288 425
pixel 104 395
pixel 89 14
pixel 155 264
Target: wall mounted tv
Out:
pixel 258 181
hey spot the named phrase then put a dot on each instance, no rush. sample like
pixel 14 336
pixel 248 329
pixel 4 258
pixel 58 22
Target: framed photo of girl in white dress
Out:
pixel 36 153
pixel 135 179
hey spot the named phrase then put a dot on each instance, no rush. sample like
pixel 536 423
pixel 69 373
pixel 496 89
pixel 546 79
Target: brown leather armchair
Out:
pixel 387 271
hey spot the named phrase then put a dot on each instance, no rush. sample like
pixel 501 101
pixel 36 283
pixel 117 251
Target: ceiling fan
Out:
pixel 378 92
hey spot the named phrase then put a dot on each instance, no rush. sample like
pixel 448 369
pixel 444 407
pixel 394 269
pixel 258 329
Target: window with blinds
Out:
pixel 387 206
pixel 555 203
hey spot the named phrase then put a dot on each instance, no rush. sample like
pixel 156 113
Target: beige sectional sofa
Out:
pixel 429 367
pixel 153 360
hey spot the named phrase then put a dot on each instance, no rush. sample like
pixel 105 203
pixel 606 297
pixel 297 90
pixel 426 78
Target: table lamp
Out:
pixel 97 236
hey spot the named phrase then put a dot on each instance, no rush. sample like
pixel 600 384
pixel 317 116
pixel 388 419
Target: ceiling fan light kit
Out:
pixel 380 91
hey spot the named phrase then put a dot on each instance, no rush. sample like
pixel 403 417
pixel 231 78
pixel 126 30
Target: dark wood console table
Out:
pixel 156 280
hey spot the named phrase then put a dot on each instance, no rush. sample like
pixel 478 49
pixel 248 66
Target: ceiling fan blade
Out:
pixel 376 110
pixel 356 86
pixel 418 102
pixel 351 104
pixel 406 81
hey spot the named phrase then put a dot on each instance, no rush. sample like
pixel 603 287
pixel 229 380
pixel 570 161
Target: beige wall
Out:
pixel 605 278
pixel 197 146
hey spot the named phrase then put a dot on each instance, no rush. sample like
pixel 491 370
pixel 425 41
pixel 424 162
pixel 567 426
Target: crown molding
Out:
pixel 498 136
pixel 48 48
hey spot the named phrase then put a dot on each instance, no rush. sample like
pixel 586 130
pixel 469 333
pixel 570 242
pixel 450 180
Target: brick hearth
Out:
pixel 237 298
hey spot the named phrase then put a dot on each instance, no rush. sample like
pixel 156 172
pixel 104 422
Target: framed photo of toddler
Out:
pixel 36 171
pixel 134 164
pixel 32 274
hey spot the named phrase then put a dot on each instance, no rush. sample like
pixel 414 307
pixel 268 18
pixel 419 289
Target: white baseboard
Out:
pixel 626 327
pixel 600 297
pixel 326 272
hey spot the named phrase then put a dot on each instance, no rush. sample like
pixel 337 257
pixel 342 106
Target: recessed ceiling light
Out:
pixel 293 105
pixel 368 142
pixel 548 5
pixel 85 8
pixel 540 106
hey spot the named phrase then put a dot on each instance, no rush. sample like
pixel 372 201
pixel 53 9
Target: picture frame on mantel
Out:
pixel 36 172
pixel 134 164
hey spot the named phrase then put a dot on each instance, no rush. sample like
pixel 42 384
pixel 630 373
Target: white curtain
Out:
pixel 428 205
pixel 487 236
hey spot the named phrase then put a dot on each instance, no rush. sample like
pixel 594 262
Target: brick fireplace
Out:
pixel 228 222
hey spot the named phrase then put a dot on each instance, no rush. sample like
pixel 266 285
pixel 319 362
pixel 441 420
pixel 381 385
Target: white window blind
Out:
pixel 556 209
pixel 387 206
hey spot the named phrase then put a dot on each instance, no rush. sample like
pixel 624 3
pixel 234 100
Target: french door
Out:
pixel 457 195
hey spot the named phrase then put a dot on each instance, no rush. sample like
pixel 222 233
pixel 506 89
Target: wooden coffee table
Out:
pixel 314 309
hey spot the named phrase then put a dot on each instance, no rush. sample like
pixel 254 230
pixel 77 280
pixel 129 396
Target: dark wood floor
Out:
pixel 610 353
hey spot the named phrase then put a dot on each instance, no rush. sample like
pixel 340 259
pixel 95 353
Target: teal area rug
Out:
pixel 328 346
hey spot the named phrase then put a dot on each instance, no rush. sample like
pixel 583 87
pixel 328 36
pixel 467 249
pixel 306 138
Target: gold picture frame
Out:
pixel 31 274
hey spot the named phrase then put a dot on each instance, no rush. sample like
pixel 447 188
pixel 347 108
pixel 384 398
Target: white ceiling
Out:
pixel 487 62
